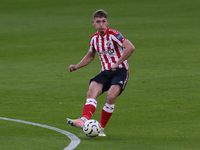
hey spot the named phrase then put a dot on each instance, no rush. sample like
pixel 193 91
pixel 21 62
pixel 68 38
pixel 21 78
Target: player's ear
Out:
pixel 93 22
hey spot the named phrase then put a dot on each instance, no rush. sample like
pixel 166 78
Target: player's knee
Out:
pixel 111 97
pixel 93 93
pixel 90 92
pixel 95 89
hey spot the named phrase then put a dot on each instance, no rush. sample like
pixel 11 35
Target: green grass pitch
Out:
pixel 159 108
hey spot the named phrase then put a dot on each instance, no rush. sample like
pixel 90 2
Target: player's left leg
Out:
pixel 113 93
pixel 118 84
pixel 108 109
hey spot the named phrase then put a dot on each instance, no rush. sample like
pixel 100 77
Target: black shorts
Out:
pixel 109 78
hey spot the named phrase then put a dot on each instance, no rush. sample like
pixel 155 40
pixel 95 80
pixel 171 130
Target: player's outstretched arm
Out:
pixel 72 68
pixel 85 61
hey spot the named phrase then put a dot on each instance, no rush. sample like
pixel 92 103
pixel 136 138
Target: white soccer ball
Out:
pixel 92 128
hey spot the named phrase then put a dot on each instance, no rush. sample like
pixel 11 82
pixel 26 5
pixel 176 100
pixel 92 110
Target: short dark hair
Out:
pixel 100 13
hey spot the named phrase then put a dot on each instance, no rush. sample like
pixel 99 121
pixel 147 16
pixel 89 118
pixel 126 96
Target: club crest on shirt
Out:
pixel 108 43
pixel 119 36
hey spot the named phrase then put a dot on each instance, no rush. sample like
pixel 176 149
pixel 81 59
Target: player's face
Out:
pixel 100 24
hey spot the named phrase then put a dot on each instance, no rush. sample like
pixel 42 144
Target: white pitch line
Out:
pixel 74 139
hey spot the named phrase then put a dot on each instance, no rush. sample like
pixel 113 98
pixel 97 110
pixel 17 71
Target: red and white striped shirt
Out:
pixel 109 48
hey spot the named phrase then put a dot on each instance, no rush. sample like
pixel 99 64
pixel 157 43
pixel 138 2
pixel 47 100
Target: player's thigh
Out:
pixel 113 93
pixel 95 89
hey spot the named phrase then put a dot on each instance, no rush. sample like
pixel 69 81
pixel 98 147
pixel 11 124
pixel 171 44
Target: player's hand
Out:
pixel 72 68
pixel 114 67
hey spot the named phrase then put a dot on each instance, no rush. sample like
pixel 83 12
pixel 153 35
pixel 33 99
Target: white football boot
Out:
pixel 102 132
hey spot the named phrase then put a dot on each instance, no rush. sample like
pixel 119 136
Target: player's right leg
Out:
pixel 95 89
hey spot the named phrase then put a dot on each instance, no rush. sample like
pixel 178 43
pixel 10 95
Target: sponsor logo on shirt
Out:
pixel 110 51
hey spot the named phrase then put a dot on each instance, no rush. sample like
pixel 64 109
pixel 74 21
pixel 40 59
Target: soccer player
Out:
pixel 113 50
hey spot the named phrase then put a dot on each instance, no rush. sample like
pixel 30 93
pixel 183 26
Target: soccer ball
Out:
pixel 91 128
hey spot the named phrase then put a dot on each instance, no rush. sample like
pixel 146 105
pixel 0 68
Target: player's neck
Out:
pixel 103 32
